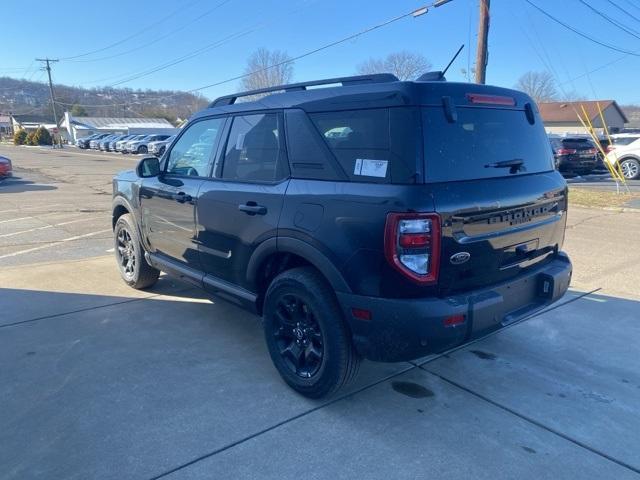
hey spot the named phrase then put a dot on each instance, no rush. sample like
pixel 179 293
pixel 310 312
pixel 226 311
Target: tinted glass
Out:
pixel 253 149
pixel 466 148
pixel 578 143
pixel 191 154
pixel 377 145
pixel 624 140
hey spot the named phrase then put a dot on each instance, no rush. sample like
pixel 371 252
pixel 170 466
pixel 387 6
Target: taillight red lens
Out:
pixel 412 245
pixel 566 151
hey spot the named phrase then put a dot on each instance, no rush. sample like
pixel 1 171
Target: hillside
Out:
pixel 22 96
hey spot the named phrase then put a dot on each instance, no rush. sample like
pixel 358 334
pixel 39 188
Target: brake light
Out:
pixel 491 99
pixel 412 245
pixel 566 151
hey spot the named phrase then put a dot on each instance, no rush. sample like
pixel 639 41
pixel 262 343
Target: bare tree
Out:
pixel 267 68
pixel 404 65
pixel 538 85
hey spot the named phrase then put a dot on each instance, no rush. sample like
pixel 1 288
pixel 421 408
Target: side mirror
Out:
pixel 148 167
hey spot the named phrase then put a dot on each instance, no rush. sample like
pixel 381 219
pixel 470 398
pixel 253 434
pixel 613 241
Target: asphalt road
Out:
pixel 603 182
pixel 102 381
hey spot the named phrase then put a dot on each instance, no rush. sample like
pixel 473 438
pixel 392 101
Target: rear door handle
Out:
pixel 252 208
pixel 182 197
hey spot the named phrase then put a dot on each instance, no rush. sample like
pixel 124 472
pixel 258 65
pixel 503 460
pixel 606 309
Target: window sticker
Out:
pixel 370 168
pixel 240 141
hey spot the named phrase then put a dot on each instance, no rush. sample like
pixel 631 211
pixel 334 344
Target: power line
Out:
pixel 623 10
pixel 578 32
pixel 613 22
pixel 162 37
pixel 412 13
pixel 138 33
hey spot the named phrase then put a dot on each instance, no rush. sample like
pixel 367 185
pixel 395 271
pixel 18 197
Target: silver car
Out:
pixel 158 147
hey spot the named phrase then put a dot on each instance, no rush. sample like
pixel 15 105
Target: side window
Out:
pixel 191 154
pixel 253 149
pixel 376 145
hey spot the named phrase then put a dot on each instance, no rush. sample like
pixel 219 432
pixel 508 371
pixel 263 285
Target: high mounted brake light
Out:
pixel 412 245
pixel 491 99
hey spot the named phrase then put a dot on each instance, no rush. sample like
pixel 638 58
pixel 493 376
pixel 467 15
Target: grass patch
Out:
pixel 587 197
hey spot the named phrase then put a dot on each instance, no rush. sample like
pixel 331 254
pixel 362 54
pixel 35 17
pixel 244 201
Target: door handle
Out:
pixel 252 208
pixel 182 197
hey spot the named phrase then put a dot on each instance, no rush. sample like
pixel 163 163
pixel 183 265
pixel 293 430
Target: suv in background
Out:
pixel 121 145
pixel 626 151
pixel 378 219
pixel 142 145
pixel 83 143
pixel 158 147
pixel 574 155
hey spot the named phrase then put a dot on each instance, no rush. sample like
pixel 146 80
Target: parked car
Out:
pixel 121 144
pixel 84 142
pixel 158 147
pixel 625 150
pixel 103 144
pixel 435 217
pixel 111 147
pixel 574 155
pixel 6 168
pixel 142 145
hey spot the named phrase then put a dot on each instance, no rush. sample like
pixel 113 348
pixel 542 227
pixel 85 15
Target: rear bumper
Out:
pixel 406 329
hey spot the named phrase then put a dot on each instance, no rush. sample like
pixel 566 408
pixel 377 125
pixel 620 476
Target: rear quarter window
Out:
pixel 465 149
pixel 375 145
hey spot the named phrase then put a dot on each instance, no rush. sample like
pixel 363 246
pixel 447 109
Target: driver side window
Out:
pixel 191 155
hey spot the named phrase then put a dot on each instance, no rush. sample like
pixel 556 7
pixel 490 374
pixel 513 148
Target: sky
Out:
pixel 104 43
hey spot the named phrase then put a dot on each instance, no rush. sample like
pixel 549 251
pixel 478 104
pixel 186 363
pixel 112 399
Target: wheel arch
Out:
pixel 274 256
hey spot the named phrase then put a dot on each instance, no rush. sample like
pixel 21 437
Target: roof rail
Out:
pixel 355 80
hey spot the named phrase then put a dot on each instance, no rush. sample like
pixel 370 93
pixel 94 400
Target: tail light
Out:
pixel 566 151
pixel 591 151
pixel 412 245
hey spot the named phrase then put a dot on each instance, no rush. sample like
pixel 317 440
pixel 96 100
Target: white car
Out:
pixel 142 145
pixel 626 151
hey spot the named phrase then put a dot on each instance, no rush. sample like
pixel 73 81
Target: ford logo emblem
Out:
pixel 460 258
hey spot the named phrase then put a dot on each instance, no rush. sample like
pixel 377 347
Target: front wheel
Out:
pixel 142 149
pixel 630 168
pixel 134 269
pixel 308 340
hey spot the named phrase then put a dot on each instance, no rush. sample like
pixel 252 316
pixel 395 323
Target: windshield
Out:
pixel 483 143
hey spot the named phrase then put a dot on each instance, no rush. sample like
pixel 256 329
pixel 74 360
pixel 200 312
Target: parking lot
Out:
pixel 102 381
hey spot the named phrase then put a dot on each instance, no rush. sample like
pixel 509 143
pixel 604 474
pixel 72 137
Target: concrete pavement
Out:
pixel 102 381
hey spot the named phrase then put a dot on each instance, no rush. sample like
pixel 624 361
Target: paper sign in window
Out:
pixel 371 168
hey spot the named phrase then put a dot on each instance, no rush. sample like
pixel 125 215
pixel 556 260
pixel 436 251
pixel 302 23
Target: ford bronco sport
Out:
pixel 370 218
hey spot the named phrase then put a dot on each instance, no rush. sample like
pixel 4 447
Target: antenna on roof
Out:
pixel 439 76
pixel 453 59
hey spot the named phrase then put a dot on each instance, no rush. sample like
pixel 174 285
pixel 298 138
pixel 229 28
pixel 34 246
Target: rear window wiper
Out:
pixel 515 165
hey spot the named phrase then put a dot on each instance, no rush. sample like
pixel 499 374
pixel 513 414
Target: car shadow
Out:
pixel 18 185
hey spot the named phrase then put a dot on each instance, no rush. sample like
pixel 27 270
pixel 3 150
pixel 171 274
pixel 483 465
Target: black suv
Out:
pixel 575 155
pixel 371 218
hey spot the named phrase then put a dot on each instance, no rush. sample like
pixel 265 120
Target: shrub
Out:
pixel 42 137
pixel 19 137
pixel 31 139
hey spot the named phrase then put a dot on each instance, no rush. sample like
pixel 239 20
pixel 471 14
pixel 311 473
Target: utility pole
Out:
pixel 53 99
pixel 482 54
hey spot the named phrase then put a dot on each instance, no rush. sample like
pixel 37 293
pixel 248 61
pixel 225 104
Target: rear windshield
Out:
pixel 578 143
pixel 470 147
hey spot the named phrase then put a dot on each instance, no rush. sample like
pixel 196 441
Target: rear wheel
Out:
pixel 630 168
pixel 306 334
pixel 134 269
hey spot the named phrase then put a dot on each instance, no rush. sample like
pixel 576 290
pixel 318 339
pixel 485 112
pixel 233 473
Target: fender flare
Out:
pixel 296 247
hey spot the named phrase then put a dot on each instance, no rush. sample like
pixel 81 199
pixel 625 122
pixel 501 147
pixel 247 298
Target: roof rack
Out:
pixel 355 80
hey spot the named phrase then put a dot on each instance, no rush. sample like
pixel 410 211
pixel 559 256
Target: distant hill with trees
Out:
pixel 23 96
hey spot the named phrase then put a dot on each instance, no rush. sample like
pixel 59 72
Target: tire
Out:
pixel 161 151
pixel 630 168
pixel 133 267
pixel 307 337
pixel 142 149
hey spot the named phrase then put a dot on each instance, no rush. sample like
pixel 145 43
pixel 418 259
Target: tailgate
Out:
pixel 505 226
